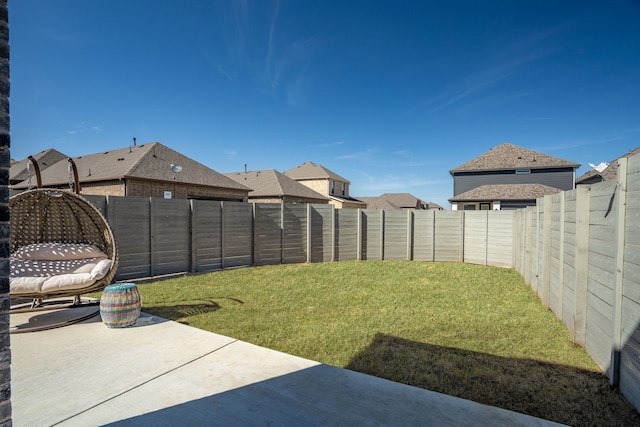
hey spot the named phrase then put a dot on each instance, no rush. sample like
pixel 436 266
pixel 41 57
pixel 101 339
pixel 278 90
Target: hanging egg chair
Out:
pixel 60 244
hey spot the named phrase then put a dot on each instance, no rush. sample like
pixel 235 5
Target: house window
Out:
pixel 344 186
pixel 333 187
pixel 485 206
pixel 522 171
pixel 469 207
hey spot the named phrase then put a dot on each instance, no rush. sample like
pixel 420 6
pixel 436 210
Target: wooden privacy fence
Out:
pixel 163 236
pixel 580 251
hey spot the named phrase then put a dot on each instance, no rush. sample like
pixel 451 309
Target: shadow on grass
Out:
pixel 180 310
pixel 558 393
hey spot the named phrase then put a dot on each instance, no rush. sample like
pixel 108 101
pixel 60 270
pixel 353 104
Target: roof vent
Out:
pixel 121 159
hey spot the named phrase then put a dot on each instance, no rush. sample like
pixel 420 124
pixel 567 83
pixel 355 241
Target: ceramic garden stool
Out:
pixel 120 305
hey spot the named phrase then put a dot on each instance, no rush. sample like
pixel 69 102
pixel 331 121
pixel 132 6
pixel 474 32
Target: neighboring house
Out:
pixel 149 170
pixel 19 172
pixel 609 172
pixel 271 186
pixel 398 201
pixel 325 182
pixel 509 177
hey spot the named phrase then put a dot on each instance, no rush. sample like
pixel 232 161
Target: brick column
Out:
pixel 5 161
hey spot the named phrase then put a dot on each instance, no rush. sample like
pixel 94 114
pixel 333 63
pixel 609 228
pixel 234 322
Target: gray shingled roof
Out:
pixel 611 172
pixel 509 156
pixel 310 170
pixel 505 192
pixel 18 171
pixel 377 203
pixel 148 161
pixel 393 201
pixel 271 183
pixel 403 200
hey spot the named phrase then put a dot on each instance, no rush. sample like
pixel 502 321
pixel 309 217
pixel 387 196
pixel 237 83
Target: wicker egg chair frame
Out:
pixel 53 215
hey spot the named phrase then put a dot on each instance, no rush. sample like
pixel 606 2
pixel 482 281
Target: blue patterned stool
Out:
pixel 120 305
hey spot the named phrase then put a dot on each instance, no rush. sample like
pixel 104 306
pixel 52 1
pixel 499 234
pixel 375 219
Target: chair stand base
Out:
pixel 49 314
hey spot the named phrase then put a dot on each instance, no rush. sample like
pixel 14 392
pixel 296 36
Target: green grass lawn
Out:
pixel 471 331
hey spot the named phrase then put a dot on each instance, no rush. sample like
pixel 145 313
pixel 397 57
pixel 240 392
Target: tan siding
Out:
pixel 320 185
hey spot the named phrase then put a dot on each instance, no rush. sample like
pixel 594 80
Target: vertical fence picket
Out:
pixel 618 289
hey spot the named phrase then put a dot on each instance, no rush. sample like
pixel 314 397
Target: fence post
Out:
pixel 618 295
pixel 486 238
pixel 382 234
pixel 528 255
pixel 282 233
pixel 409 235
pixel 152 253
pixel 560 313
pixel 359 235
pixel 516 242
pixel 255 256
pixel 333 232
pixel 194 255
pixel 222 243
pixel 583 207
pixel 309 233
pixel 461 238
pixel 545 284
pixel 433 236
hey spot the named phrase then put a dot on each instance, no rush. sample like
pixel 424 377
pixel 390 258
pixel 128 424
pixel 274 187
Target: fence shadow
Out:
pixel 553 392
pixel 182 310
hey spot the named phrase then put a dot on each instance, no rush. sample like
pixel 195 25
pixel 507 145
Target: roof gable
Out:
pixel 270 183
pixel 148 161
pixel 310 170
pixel 46 158
pixel 509 156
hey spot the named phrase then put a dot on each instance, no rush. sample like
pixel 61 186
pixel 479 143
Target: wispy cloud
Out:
pixel 230 154
pixel 222 71
pixel 81 128
pixel 268 72
pixel 277 62
pixel 511 60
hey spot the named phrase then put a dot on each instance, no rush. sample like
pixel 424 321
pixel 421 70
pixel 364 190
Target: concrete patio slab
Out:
pixel 163 373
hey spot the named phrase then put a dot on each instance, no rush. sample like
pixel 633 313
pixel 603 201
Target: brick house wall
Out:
pixel 287 199
pixel 143 188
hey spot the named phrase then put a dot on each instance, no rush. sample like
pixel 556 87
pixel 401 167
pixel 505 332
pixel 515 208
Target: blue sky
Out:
pixel 388 94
